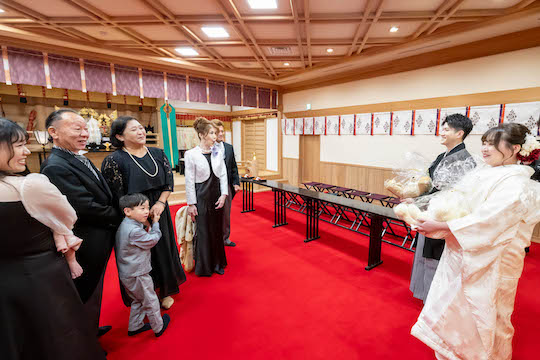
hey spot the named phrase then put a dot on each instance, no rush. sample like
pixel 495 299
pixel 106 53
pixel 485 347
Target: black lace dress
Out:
pixel 125 176
pixel 41 314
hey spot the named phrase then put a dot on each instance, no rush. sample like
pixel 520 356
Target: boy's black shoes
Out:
pixel 145 327
pixel 166 320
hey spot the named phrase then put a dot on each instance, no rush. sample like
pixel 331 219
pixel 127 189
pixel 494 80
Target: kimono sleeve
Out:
pixel 495 221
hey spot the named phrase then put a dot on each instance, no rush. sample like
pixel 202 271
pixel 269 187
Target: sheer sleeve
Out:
pixel 45 203
pixel 169 185
pixel 113 176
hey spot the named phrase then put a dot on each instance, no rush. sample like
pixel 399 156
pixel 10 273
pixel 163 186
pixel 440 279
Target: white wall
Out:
pixel 383 150
pixel 512 70
pixel 237 139
pixel 228 137
pixel 272 129
pixel 291 146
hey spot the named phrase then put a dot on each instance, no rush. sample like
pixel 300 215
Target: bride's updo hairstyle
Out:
pixel 202 126
pixel 509 134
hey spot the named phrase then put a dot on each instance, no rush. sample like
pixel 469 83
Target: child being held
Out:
pixel 132 249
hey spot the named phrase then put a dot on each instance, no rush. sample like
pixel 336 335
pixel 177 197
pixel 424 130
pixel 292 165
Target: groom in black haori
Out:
pixel 454 129
pixel 88 193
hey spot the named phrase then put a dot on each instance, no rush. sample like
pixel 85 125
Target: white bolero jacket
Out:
pixel 197 170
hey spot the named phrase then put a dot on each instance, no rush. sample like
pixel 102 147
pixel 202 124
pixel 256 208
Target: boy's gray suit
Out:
pixel 132 249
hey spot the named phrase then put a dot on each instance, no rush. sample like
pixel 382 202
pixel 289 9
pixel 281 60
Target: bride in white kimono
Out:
pixel 467 312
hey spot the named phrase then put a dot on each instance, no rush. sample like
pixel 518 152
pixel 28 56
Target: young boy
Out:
pixel 132 248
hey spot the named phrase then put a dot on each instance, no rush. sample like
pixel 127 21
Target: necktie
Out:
pixel 86 162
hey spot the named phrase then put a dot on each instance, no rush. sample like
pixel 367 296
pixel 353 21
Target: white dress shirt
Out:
pixel 198 171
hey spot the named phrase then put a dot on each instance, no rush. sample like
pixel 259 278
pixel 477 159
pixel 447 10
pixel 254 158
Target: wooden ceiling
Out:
pixel 280 47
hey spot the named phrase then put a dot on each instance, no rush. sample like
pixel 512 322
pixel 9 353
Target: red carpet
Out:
pixel 283 299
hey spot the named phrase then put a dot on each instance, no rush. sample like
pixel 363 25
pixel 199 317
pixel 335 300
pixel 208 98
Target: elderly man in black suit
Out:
pixel 232 177
pixel 86 190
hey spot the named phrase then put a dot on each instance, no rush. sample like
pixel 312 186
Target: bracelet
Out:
pixel 159 201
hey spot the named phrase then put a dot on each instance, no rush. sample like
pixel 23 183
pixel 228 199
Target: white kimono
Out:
pixel 468 309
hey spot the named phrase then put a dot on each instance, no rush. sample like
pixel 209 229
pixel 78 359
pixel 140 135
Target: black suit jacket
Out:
pixel 433 248
pixel 232 168
pixel 97 219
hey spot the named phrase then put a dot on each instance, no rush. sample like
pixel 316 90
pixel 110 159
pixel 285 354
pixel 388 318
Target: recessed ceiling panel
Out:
pixel 341 6
pixel 322 51
pixel 192 7
pixel 233 51
pixel 160 32
pixel 487 4
pixel 275 31
pixel 103 32
pixel 54 8
pixel 414 5
pixel 197 29
pixel 120 7
pixel 283 7
pixel 333 31
pixel 382 30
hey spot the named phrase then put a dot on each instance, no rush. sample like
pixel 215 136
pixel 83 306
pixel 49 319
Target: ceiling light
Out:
pixel 263 4
pixel 286 64
pixel 329 50
pixel 186 51
pixel 394 29
pixel 215 31
pixel 1 10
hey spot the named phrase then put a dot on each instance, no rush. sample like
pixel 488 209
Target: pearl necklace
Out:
pixel 139 165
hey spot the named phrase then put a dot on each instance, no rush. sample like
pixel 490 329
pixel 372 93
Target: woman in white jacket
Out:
pixel 206 190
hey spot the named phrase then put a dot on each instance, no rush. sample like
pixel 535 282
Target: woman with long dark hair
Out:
pixel 469 306
pixel 135 168
pixel 41 313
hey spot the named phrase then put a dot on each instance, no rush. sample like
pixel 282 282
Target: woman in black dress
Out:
pixel 206 191
pixel 41 314
pixel 134 168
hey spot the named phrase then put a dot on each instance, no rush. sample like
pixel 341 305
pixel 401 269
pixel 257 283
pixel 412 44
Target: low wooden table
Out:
pixel 313 200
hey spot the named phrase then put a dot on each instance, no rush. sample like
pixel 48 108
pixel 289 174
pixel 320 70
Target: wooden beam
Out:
pixel 364 40
pixel 246 30
pixel 44 21
pixel 231 23
pixel 193 40
pixel 475 99
pixel 520 5
pixel 261 42
pixel 315 18
pixel 298 36
pixel 445 5
pixel 308 31
pixel 450 12
pixel 105 20
pixel 367 11
pixel 269 58
pixel 496 45
pixel 130 61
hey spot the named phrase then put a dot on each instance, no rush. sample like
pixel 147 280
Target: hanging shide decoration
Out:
pixel 416 122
